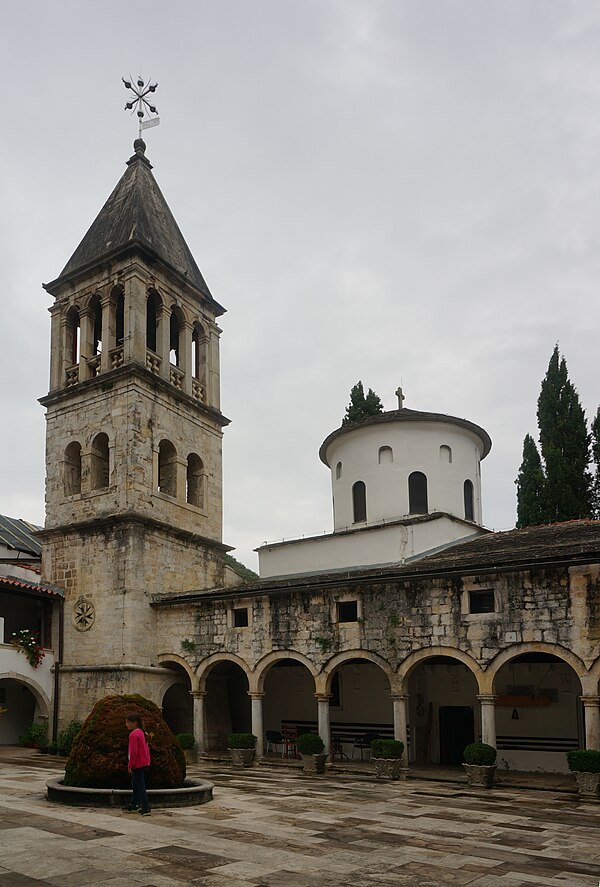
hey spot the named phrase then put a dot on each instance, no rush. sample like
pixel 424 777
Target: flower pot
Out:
pixel 242 757
pixel 479 775
pixel 389 768
pixel 589 783
pixel 314 763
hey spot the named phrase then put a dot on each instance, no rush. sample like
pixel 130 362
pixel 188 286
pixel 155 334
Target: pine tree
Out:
pixel 565 446
pixel 596 458
pixel 361 407
pixel 530 486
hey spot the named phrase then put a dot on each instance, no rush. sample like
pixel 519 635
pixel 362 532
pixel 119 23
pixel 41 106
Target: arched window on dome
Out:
pixel 446 454
pixel 468 495
pixel 100 464
pixel 359 501
pixel 338 471
pixel 386 455
pixel 195 481
pixel 167 468
pixel 417 493
pixel 72 469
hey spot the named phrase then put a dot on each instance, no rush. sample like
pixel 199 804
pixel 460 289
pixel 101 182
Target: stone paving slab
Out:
pixel 270 827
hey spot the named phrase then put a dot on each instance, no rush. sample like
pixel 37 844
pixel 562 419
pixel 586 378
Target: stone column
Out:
pixel 400 702
pixel 57 350
pixel 591 707
pixel 213 380
pixel 163 341
pixel 198 697
pixel 185 355
pixel 257 722
pixel 323 719
pixel 109 336
pixel 488 719
pixel 135 320
pixel 86 342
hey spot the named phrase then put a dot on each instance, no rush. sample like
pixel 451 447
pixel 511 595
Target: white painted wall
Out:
pixel 383 544
pixel 416 447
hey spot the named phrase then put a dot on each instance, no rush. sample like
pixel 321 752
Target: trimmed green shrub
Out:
pixel 67 737
pixel 480 753
pixel 391 749
pixel 584 760
pixel 36 734
pixel 186 740
pixel 310 744
pixel 241 740
pixel 99 755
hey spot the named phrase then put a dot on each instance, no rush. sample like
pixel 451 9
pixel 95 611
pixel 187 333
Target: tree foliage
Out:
pixel 361 406
pixel 596 458
pixel 556 486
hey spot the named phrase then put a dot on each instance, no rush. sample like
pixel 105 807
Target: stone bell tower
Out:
pixel 133 441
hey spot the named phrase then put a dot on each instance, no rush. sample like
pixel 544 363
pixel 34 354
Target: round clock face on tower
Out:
pixel 84 615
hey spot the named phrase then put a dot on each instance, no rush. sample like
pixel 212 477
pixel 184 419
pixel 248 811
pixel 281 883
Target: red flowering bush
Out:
pixel 28 642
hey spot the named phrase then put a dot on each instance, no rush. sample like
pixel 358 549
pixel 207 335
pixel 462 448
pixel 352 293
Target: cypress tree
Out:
pixel 565 446
pixel 361 407
pixel 596 458
pixel 530 486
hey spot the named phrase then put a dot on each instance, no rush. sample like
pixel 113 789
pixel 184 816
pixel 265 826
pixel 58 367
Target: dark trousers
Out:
pixel 138 786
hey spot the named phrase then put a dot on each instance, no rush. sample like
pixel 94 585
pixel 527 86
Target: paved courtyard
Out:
pixel 278 828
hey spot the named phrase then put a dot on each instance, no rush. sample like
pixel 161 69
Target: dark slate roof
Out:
pixel 405 415
pixel 18 535
pixel 136 216
pixel 512 550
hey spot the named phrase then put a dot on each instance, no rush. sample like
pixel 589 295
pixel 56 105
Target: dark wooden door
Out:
pixel 456 731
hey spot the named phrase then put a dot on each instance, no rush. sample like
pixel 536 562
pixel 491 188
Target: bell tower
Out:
pixel 133 440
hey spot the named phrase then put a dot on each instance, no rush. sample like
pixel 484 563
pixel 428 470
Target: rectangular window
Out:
pixel 347 611
pixel 481 602
pixel 240 617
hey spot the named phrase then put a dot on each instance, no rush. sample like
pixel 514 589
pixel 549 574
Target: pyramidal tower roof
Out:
pixel 135 218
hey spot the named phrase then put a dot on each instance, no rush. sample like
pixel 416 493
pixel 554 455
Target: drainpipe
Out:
pixel 57 665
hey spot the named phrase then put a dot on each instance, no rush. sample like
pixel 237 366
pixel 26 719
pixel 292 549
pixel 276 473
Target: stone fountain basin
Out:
pixel 192 793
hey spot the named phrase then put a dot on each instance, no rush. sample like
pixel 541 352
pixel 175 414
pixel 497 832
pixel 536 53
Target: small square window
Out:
pixel 481 602
pixel 240 617
pixel 347 611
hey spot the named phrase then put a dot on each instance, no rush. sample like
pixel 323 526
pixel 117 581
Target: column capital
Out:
pixel 590 700
pixel 402 697
pixel 487 698
pixel 322 697
pixel 198 694
pixel 254 695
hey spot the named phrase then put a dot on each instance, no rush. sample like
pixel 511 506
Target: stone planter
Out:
pixel 314 763
pixel 479 775
pixel 589 784
pixel 242 757
pixel 190 755
pixel 389 768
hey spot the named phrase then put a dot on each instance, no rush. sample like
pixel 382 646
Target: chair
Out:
pixel 290 735
pixel 364 742
pixel 274 738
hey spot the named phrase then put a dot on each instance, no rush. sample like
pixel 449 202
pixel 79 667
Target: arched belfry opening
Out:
pixel 153 304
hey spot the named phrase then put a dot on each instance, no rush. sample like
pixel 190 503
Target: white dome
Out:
pixel 410 463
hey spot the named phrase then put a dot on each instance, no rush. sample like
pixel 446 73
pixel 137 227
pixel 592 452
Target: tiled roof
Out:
pixel 40 587
pixel 18 535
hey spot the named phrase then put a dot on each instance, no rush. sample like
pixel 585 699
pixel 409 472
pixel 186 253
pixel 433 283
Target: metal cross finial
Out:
pixel 140 103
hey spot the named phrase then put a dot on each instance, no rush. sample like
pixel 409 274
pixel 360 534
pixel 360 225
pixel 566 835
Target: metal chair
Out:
pixel 274 738
pixel 364 742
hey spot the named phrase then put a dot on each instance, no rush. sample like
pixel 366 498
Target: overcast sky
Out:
pixel 388 191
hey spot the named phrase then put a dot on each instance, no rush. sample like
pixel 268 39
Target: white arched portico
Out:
pixel 22 708
pixel 221 700
pixel 283 693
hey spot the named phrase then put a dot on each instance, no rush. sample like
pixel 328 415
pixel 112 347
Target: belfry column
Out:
pixel 591 708
pixel 163 341
pixel 109 322
pixel 323 719
pixel 86 342
pixel 257 722
pixel 185 356
pixel 198 697
pixel 488 719
pixel 400 702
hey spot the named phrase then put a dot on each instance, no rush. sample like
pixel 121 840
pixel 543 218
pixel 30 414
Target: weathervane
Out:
pixel 140 103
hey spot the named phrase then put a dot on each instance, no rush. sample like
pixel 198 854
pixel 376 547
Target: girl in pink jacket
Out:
pixel 137 760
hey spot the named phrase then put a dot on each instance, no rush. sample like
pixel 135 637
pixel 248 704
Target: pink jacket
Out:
pixel 139 753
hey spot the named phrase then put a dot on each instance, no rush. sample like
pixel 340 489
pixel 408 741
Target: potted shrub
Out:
pixel 480 764
pixel 36 736
pixel 386 754
pixel 584 763
pixel 241 747
pixel 188 744
pixel 67 737
pixel 311 749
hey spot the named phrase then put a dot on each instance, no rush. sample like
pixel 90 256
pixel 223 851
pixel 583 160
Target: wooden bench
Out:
pixel 344 734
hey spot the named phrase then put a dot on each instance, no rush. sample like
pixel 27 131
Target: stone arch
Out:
pixel 418 656
pixel 206 666
pixel 592 684
pixel 492 669
pixel 257 679
pixel 175 657
pixel 326 675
